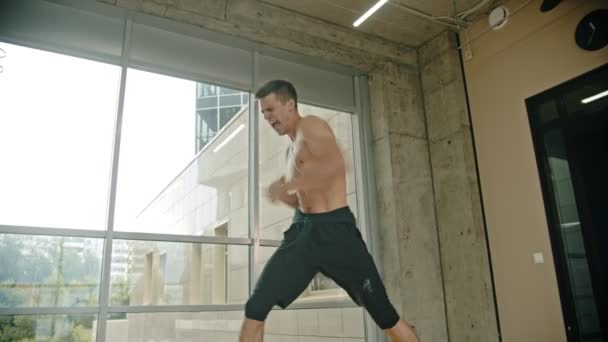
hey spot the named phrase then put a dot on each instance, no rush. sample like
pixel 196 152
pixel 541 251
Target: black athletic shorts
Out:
pixel 329 243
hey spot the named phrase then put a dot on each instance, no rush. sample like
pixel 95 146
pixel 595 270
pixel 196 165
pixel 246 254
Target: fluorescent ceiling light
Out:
pixel 369 12
pixel 595 97
pixel 228 138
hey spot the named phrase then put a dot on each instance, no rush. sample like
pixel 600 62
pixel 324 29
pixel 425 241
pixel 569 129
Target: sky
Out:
pixel 57 116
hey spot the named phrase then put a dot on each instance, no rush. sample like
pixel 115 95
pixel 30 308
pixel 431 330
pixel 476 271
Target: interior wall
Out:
pixel 533 52
pixel 467 282
pixel 408 246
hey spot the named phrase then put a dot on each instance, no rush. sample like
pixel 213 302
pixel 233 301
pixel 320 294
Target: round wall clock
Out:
pixel 548 5
pixel 592 31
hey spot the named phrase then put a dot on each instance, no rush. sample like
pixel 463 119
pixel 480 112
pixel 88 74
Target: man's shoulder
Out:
pixel 314 123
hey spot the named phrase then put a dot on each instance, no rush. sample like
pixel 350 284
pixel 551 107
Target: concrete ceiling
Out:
pixel 392 21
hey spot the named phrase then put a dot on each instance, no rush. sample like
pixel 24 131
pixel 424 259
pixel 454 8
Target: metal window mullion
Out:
pixel 107 252
pixel 253 221
pixel 197 119
pixel 91 310
pixel 365 180
pixel 181 238
pixel 359 168
pixel 332 304
pixel 174 308
pixel 346 303
pixel 270 243
pixel 364 177
pixel 217 113
pixel 47 231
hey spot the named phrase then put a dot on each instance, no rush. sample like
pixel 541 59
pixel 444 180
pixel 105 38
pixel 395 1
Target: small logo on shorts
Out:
pixel 367 285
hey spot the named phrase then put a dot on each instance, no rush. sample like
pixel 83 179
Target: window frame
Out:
pixel 365 180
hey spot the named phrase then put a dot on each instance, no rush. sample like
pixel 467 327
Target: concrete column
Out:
pixel 408 233
pixel 471 313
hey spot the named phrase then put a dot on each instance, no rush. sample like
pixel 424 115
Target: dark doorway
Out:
pixel 570 132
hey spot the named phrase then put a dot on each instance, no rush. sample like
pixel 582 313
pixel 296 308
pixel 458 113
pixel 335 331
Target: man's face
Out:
pixel 276 113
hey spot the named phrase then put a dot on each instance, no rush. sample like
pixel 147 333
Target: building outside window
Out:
pixel 215 107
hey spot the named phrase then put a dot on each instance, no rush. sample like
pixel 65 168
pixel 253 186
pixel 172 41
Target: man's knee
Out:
pixel 252 326
pixel 257 308
pixel 251 331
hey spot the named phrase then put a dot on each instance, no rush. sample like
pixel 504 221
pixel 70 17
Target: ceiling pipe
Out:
pixel 427 16
pixel 455 22
pixel 462 15
pixel 489 29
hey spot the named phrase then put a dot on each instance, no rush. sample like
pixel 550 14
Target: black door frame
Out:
pixel 538 129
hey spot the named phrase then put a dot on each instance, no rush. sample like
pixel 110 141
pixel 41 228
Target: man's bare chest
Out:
pixel 297 155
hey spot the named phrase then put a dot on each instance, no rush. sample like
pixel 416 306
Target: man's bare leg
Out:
pixel 402 332
pixel 252 331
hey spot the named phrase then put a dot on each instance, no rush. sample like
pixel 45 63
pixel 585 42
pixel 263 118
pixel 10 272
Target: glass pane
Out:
pixel 547 111
pixel 227 91
pixel 39 271
pixel 56 136
pixel 275 218
pixel 208 126
pixel 227 113
pixel 208 89
pixel 589 96
pixel 570 232
pixel 55 328
pixel 213 105
pixel 171 273
pixel 230 100
pixel 166 185
pixel 207 102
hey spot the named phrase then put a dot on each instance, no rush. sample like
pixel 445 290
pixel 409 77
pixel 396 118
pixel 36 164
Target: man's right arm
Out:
pixel 277 191
pixel 291 200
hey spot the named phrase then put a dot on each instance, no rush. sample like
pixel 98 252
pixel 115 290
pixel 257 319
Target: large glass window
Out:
pixel 56 127
pixel 183 241
pixel 166 183
pixel 77 328
pixel 171 273
pixel 49 271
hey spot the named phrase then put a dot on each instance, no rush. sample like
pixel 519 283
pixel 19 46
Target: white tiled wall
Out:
pixel 316 325
pixel 319 325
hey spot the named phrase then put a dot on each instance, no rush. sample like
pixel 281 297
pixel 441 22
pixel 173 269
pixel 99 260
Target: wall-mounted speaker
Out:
pixel 548 5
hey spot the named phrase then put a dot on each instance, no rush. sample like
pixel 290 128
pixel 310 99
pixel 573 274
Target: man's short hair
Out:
pixel 283 90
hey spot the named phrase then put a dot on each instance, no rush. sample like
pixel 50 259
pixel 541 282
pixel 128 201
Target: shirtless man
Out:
pixel 323 236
